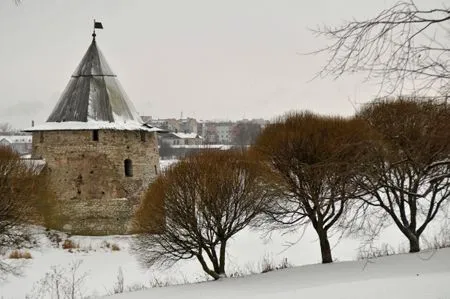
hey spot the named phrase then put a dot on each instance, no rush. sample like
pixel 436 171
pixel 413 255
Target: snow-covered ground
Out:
pixel 247 250
pixel 423 275
pixel 409 276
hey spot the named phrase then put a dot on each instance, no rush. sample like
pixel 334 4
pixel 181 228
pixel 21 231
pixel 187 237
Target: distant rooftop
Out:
pixel 17 138
pixel 186 135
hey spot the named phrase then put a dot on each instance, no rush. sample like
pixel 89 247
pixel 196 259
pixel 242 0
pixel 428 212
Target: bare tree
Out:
pixel 61 283
pixel 6 129
pixel 119 285
pixel 402 46
pixel 20 186
pixel 314 161
pixel 166 151
pixel 245 133
pixel 197 206
pixel 408 174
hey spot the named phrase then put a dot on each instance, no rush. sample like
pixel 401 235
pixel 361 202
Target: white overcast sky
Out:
pixel 207 59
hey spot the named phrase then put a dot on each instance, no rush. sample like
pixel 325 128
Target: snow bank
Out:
pixel 411 276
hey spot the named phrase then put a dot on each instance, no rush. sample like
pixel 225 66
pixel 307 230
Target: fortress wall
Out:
pixel 88 177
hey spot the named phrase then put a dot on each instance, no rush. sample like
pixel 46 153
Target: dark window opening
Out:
pixel 156 170
pixel 128 164
pixel 95 135
pixel 143 139
pixel 41 137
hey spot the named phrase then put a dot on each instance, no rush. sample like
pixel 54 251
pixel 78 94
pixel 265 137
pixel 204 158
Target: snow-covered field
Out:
pixel 411 276
pixel 423 275
pixel 101 265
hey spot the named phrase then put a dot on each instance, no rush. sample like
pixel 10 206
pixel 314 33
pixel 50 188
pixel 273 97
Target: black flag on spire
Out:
pixel 98 25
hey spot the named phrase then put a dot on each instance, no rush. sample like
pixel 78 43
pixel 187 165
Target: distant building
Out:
pixel 181 139
pixel 22 144
pixel 217 132
pixel 245 132
pixel 188 125
pixel 242 132
pixel 185 125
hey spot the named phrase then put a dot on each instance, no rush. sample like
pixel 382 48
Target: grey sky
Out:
pixel 209 59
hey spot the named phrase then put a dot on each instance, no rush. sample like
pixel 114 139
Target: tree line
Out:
pixel 391 158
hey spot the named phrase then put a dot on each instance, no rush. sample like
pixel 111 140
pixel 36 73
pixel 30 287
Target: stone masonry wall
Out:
pixel 94 195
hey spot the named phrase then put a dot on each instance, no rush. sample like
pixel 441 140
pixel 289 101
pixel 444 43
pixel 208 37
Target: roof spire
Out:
pixel 94 94
pixel 97 25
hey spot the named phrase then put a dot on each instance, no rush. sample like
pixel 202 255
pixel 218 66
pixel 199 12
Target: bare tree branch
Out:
pixel 403 48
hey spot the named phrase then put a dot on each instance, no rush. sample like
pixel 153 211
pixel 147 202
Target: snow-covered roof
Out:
pixel 93 99
pixel 186 135
pixel 204 146
pixel 17 138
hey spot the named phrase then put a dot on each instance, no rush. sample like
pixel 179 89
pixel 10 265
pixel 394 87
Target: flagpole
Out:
pixel 97 25
pixel 93 34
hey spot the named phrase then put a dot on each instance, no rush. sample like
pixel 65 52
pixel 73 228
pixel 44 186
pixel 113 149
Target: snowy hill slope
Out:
pixel 412 276
pixel 246 252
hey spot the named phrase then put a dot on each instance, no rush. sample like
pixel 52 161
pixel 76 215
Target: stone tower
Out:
pixel 99 154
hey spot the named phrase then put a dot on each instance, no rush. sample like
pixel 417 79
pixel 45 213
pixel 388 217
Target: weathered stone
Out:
pixel 89 179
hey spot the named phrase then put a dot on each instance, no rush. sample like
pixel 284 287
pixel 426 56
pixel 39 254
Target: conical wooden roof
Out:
pixel 93 99
pixel 94 93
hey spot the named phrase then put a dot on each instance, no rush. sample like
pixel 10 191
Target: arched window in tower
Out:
pixel 128 164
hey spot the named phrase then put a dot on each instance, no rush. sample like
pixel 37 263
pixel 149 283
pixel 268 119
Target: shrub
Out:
pixel 22 184
pixel 111 246
pixel 54 237
pixel 375 252
pixel 268 265
pixel 17 254
pixel 105 244
pixel 61 282
pixel 136 287
pixel 69 244
pixel 440 240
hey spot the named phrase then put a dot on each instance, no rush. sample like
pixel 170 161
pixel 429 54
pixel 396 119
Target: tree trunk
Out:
pixel 325 248
pixel 205 267
pixel 414 245
pixel 222 258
